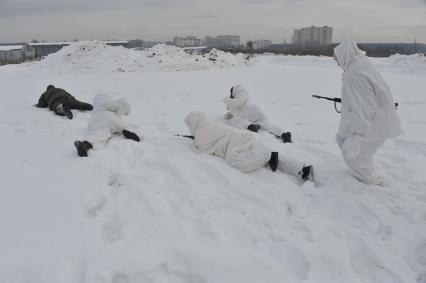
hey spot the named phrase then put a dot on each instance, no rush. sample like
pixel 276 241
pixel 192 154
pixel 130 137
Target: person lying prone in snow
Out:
pixel 61 102
pixel 243 114
pixel 239 148
pixel 105 122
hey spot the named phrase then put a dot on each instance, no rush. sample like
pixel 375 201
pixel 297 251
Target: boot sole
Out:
pixel 80 151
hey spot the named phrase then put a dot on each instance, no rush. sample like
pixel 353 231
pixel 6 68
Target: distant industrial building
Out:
pixel 313 36
pixel 223 41
pixel 45 48
pixel 141 44
pixel 13 54
pixel 261 44
pixel 18 53
pixel 187 41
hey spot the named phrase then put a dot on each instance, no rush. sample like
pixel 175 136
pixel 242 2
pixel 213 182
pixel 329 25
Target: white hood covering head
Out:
pixel 347 52
pixel 105 102
pixel 242 112
pixel 241 98
pixel 193 120
pixel 123 107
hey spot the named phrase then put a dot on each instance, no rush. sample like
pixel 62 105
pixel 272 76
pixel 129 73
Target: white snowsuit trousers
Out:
pixel 362 166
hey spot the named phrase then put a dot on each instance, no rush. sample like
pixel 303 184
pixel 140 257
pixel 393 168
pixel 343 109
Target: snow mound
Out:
pixel 88 56
pixel 414 64
pixel 415 59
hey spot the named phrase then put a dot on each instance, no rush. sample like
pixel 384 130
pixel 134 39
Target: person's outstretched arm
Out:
pixel 42 103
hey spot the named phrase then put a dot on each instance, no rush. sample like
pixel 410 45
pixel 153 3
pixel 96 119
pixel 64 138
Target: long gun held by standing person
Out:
pixel 339 100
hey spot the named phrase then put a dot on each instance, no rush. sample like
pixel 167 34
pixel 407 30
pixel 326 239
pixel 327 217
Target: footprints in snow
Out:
pixel 94 207
pixel 367 266
pixel 161 273
pixel 112 230
pixel 112 227
pixel 415 256
pixel 292 258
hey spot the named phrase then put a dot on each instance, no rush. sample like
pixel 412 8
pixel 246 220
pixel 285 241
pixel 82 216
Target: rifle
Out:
pixel 185 136
pixel 339 100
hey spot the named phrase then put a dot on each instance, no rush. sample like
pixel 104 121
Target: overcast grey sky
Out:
pixel 365 20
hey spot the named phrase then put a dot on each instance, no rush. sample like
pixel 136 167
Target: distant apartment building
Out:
pixel 226 41
pixel 261 44
pixel 13 54
pixel 229 40
pixel 187 41
pixel 313 35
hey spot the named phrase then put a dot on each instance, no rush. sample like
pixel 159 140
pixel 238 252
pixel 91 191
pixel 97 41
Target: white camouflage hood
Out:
pixel 193 120
pixel 105 102
pixel 348 52
pixel 240 99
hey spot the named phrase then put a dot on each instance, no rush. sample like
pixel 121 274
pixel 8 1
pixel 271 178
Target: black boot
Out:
pixel 273 162
pixel 130 135
pixel 82 147
pixel 286 137
pixel 306 173
pixel 64 109
pixel 85 106
pixel 254 128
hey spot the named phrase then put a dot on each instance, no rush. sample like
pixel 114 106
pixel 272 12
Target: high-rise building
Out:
pixel 229 40
pixel 187 41
pixel 223 41
pixel 313 35
pixel 261 44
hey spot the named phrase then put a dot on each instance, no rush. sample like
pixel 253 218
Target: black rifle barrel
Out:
pixel 335 99
pixel 185 136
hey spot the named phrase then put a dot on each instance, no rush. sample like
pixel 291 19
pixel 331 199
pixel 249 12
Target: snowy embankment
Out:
pixel 95 57
pixel 157 211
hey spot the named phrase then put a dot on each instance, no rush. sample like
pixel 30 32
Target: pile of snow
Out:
pixel 414 60
pixel 415 63
pixel 408 64
pixel 96 56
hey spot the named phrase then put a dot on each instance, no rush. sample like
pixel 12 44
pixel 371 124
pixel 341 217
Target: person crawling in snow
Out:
pixel 240 149
pixel 243 114
pixel 61 102
pixel 105 122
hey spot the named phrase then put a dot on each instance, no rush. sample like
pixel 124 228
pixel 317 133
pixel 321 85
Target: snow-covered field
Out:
pixel 157 211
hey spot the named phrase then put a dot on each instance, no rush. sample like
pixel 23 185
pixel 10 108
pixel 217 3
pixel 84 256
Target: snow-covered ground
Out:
pixel 157 211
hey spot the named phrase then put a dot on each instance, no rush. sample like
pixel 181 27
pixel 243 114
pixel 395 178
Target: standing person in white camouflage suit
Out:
pixel 368 114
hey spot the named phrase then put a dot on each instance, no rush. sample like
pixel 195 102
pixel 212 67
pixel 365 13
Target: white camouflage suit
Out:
pixel 243 113
pixel 239 148
pixel 368 115
pixel 106 119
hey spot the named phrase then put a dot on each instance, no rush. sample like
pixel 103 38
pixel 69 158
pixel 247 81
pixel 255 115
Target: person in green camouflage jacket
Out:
pixel 61 102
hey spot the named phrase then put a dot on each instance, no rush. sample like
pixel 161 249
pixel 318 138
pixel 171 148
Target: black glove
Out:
pixel 286 137
pixel 253 127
